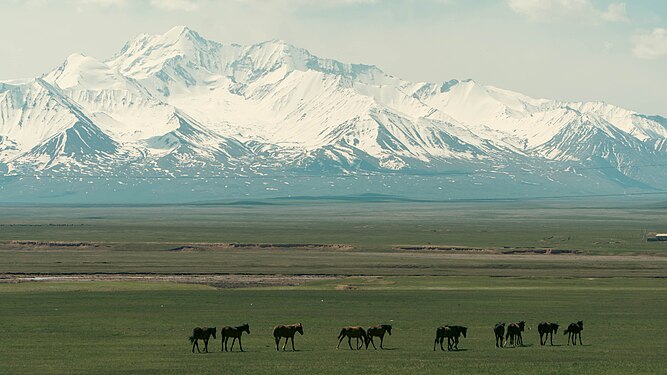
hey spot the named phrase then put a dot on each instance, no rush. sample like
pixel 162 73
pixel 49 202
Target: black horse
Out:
pixel 574 330
pixel 513 336
pixel 547 330
pixel 201 333
pixel 499 330
pixel 235 333
pixel 379 331
pixel 452 333
pixel 458 331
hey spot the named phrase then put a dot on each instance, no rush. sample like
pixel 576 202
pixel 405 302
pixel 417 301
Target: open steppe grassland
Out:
pixel 155 272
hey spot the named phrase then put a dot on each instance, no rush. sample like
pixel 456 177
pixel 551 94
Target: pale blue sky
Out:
pixel 606 50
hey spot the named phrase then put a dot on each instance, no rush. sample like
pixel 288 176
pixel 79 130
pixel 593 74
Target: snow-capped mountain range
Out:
pixel 180 105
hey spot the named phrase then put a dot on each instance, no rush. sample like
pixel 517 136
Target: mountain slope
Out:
pixel 179 104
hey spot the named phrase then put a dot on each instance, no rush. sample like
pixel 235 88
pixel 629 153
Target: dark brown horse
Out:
pixel 352 332
pixel 513 336
pixel 288 332
pixel 203 334
pixel 547 330
pixel 452 333
pixel 574 330
pixel 499 330
pixel 377 331
pixel 235 333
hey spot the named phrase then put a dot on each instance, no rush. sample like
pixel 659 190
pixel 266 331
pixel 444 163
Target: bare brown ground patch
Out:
pixel 266 246
pixel 218 281
pixel 42 245
pixel 478 250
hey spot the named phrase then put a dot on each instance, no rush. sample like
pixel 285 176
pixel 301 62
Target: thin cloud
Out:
pixel 103 3
pixel 651 45
pixel 543 10
pixel 176 5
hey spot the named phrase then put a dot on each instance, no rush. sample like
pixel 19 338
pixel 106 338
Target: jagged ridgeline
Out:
pixel 195 119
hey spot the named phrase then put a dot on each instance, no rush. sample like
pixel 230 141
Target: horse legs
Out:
pixel 580 343
pixel 340 339
pixel 240 346
pixel 277 338
pixel 349 342
pixel 381 342
pixel 363 342
pixel 541 334
pixel 552 339
pixel 293 349
pixel 206 345
pixel 194 343
pixel 370 341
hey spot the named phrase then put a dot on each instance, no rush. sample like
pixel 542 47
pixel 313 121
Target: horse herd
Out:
pixel 510 334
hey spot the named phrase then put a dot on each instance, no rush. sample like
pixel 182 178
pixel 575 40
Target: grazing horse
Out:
pixel 548 330
pixel 379 331
pixel 499 330
pixel 288 332
pixel 513 336
pixel 352 332
pixel 235 333
pixel 574 330
pixel 452 333
pixel 204 334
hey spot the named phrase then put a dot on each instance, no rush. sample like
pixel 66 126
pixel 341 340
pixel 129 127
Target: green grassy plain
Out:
pixel 84 328
pixel 615 283
pixel 141 239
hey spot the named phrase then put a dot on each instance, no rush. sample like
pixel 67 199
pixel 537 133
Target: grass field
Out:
pixel 362 274
pixel 131 328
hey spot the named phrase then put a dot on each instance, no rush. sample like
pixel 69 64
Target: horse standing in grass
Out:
pixel 574 330
pixel 203 334
pixel 352 332
pixel 458 331
pixel 499 330
pixel 378 331
pixel 548 330
pixel 452 333
pixel 288 332
pixel 513 336
pixel 235 333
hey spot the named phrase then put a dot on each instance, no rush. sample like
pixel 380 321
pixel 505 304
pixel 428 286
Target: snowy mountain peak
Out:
pixel 177 101
pixel 86 72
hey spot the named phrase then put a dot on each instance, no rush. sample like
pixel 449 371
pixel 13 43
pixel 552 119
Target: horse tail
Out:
pixel 566 331
pixel 192 339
